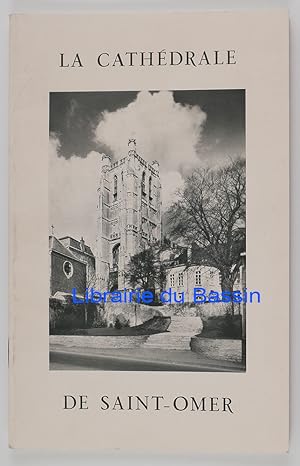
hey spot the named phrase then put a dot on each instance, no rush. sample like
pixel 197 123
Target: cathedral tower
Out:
pixel 128 214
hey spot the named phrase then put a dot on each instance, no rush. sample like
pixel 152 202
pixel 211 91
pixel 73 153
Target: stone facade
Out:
pixel 129 214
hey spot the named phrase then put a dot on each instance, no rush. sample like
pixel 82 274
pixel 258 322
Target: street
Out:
pixel 149 360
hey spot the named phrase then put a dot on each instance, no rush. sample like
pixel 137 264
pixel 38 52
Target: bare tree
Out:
pixel 211 213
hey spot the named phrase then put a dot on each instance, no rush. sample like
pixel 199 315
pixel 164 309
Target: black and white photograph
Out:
pixel 147 231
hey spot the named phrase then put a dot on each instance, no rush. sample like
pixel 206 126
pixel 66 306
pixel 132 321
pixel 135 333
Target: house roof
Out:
pixel 56 246
pixel 73 243
pixel 199 256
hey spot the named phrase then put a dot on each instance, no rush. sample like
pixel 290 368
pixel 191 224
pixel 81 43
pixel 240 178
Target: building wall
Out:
pixel 90 265
pixel 82 255
pixel 127 217
pixel 185 278
pixel 58 279
pixel 194 276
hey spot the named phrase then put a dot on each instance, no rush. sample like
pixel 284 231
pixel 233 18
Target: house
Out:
pixel 188 268
pixel 71 265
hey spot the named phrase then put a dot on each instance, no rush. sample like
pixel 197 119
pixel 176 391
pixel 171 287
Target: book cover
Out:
pixel 149 242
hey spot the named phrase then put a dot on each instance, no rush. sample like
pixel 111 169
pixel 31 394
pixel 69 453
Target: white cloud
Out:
pixel 165 131
pixel 73 186
pixel 171 182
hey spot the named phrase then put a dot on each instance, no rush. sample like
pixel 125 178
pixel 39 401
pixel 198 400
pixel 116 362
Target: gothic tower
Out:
pixel 128 214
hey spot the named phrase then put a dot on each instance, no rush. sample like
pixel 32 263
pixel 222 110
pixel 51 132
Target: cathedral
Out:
pixel 128 214
pixel 129 219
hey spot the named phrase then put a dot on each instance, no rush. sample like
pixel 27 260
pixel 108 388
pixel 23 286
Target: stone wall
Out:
pixel 218 348
pixel 198 310
pixel 133 313
pixel 216 309
pixel 69 316
pixel 86 342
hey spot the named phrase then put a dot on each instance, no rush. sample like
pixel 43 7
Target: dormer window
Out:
pixel 115 187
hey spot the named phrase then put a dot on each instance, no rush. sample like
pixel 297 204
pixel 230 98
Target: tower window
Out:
pixel 144 184
pixel 150 189
pixel 153 230
pixel 115 256
pixel 115 187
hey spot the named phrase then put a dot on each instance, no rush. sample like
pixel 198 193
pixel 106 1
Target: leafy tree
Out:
pixel 210 212
pixel 146 270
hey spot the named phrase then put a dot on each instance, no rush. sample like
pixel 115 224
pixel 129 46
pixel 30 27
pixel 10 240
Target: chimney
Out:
pixel 82 244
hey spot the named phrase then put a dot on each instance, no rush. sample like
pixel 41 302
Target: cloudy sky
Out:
pixel 180 129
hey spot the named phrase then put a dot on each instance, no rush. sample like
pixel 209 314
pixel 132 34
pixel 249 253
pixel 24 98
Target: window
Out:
pixel 68 269
pixel 144 225
pixel 115 256
pixel 115 187
pixel 150 189
pixel 105 196
pixel 172 280
pixel 143 184
pixel 180 279
pixel 198 277
pixel 152 230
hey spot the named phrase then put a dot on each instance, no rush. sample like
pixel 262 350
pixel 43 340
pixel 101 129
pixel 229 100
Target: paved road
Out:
pixel 68 360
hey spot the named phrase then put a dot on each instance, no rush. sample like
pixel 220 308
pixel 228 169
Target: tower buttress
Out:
pixel 102 239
